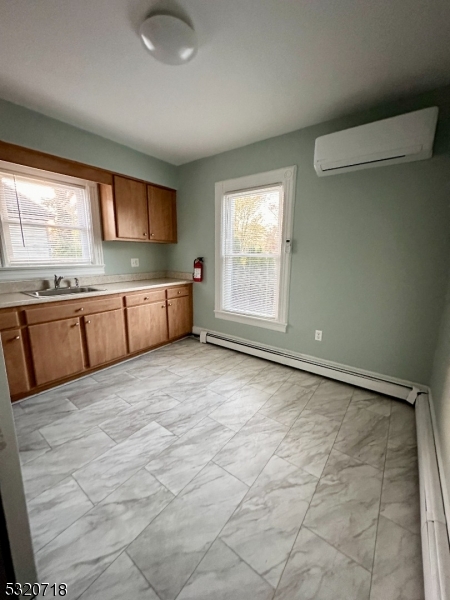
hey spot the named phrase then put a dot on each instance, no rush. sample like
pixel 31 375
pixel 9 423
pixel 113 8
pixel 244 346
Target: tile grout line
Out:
pixel 265 464
pixel 379 504
pixel 66 528
pixel 225 469
pixel 306 408
pixel 417 535
pixel 167 505
pixel 129 544
pixel 295 538
pixel 142 467
pixel 296 466
pixel 71 475
pixel 307 390
pixel 339 430
pixel 145 578
pixel 315 491
pixel 71 472
pixel 338 550
pixel 309 505
pixel 292 425
pixel 249 488
pixel 221 530
pixel 358 460
pixel 242 559
pixel 98 577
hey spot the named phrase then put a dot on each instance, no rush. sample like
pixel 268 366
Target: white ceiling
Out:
pixel 264 67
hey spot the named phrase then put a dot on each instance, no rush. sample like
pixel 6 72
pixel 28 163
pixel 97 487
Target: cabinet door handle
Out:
pixel 76 325
pixel 144 234
pixel 146 298
pixel 17 337
pixel 163 306
pixel 170 303
pixel 87 321
pixel 179 292
pixel 152 234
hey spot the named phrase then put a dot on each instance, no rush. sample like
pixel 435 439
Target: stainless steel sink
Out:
pixel 68 291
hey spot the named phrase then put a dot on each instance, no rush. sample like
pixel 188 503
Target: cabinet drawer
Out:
pixel 9 319
pixel 176 292
pixel 65 310
pixel 145 298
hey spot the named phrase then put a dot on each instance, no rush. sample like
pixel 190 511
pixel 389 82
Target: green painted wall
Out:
pixel 371 248
pixel 19 125
pixel 440 391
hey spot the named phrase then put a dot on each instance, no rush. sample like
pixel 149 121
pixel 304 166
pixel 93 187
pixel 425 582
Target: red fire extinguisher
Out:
pixel 198 269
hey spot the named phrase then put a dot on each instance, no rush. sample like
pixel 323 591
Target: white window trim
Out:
pixel 72 269
pixel 287 178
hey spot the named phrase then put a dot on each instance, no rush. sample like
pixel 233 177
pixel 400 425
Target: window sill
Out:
pixel 47 272
pixel 255 321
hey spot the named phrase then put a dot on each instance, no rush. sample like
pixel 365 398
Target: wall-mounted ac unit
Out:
pixel 399 139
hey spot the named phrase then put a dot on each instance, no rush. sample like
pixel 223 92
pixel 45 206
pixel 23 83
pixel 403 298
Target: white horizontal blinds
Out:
pixel 252 229
pixel 44 222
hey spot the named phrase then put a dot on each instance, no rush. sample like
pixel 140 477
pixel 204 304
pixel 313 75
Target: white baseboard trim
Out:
pixel 440 461
pixel 435 544
pixel 382 384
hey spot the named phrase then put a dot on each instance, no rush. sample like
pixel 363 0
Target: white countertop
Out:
pixel 21 299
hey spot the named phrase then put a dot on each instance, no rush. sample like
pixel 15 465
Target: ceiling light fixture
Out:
pixel 169 39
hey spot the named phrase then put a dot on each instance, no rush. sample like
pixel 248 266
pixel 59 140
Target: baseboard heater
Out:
pixel 370 381
pixel 434 534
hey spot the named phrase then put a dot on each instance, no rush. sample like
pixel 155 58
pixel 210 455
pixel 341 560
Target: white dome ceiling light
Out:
pixel 169 39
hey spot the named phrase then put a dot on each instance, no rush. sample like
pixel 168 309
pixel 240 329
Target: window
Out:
pixel 47 221
pixel 253 243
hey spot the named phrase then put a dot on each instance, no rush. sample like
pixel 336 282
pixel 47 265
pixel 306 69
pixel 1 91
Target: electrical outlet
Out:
pixel 318 336
pixel 134 262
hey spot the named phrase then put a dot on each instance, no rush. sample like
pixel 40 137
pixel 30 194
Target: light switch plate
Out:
pixel 134 262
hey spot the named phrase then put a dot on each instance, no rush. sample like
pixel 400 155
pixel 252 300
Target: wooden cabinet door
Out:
pixel 16 364
pixel 57 349
pixel 162 212
pixel 130 201
pixel 147 326
pixel 105 336
pixel 179 316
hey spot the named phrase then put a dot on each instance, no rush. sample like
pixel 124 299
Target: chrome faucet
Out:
pixel 77 282
pixel 58 281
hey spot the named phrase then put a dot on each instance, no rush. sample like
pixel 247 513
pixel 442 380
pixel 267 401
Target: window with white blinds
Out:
pixel 253 248
pixel 46 220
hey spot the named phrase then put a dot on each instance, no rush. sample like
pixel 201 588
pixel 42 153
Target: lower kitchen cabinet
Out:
pixel 49 343
pixel 57 349
pixel 105 337
pixel 179 316
pixel 147 325
pixel 15 361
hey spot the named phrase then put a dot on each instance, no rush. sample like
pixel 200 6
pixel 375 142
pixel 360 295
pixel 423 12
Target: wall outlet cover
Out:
pixel 134 262
pixel 318 335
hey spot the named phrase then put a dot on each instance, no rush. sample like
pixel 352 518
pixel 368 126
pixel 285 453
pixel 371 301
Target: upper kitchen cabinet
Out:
pixel 162 212
pixel 135 211
pixel 130 202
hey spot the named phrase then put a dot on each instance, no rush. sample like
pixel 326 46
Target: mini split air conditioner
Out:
pixel 400 139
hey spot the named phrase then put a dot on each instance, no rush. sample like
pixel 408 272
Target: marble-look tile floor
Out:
pixel 198 473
